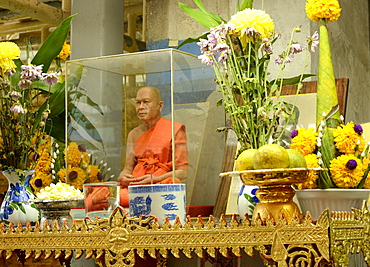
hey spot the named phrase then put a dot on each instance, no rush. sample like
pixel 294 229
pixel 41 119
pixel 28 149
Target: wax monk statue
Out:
pixel 149 147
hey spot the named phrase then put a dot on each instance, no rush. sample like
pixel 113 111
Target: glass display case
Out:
pixel 101 110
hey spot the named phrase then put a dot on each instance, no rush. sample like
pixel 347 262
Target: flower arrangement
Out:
pixel 30 100
pixel 81 167
pixel 240 51
pixel 338 148
pixel 350 166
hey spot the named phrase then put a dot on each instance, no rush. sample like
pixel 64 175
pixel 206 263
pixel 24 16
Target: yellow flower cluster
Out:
pixel 312 161
pixel 8 52
pixel 328 10
pixel 305 141
pixel 343 175
pixel 42 176
pixel 347 141
pixel 79 170
pixel 65 52
pixel 255 19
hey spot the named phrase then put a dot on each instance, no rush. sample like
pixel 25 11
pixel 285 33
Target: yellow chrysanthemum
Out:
pixel 347 141
pixel 312 161
pixel 40 181
pixel 255 19
pixel 328 10
pixel 43 164
pixel 65 52
pixel 366 163
pixel 347 171
pixel 8 52
pixel 74 154
pixel 62 174
pixel 304 141
pixel 92 172
pixel 85 159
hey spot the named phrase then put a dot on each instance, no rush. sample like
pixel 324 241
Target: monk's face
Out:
pixel 148 106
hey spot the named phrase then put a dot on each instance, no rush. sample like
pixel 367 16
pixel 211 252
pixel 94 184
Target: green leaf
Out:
pixel 192 40
pixel 212 15
pixel 243 5
pixel 16 77
pixel 291 81
pixel 53 45
pixel 219 103
pixel 205 18
pixel 55 127
pixel 88 100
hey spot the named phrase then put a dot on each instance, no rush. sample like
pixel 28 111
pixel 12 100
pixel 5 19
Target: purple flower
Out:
pixel 279 61
pixel 296 48
pixel 38 182
pixel 205 59
pixel 82 148
pixel 50 78
pixel 23 83
pixel 288 60
pixel 351 164
pixel 294 133
pixel 73 175
pixel 15 95
pixel 31 72
pixel 313 41
pixel 35 156
pixel 358 129
pixel 44 115
pixel 100 176
pixel 17 108
pixel 267 46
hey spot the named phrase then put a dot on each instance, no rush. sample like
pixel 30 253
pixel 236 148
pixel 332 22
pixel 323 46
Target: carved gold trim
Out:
pixel 117 238
pixel 349 233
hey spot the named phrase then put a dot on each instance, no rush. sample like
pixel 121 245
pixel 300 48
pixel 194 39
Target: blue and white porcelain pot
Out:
pixel 16 206
pixel 160 200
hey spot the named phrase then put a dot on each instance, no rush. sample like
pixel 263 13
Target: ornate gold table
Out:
pixel 116 239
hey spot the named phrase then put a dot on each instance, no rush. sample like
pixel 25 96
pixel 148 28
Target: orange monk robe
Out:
pixel 153 152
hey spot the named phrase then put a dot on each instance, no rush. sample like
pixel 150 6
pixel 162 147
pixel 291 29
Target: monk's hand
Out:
pixel 145 179
pixel 125 179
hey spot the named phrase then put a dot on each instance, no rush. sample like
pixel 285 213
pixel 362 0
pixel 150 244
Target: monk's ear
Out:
pixel 161 103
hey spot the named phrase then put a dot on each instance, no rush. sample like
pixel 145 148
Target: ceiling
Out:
pixel 21 20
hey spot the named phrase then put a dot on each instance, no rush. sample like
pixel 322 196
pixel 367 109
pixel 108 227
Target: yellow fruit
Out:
pixel 296 159
pixel 271 156
pixel 245 160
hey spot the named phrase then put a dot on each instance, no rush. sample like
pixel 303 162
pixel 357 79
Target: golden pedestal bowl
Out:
pixel 275 191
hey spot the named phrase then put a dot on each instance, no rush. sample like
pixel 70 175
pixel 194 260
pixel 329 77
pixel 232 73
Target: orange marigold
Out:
pixel 92 173
pixel 312 161
pixel 347 171
pixel 304 141
pixel 347 140
pixel 328 10
pixel 65 52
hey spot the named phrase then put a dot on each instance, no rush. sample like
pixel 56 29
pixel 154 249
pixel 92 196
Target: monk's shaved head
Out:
pixel 155 93
pixel 149 104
